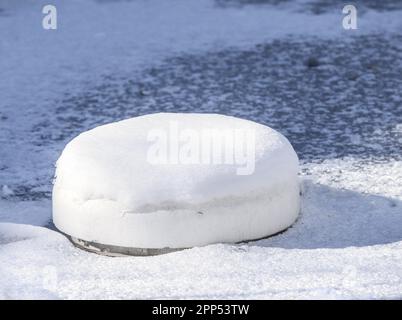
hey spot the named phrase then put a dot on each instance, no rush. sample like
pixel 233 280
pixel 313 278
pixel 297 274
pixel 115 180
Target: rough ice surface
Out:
pixel 112 60
pixel 172 180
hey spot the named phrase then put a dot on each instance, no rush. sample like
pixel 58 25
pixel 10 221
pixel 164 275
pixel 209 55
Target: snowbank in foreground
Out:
pixel 44 264
pixel 347 243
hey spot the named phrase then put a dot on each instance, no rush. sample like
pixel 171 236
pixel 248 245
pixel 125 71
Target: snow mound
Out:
pixel 176 180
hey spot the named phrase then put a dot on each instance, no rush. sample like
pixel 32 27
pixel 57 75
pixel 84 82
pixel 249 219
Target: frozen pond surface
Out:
pixel 288 64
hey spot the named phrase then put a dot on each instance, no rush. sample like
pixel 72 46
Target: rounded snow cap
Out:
pixel 166 181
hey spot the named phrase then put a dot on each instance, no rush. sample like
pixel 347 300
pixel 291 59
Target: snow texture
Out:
pixel 113 60
pixel 176 181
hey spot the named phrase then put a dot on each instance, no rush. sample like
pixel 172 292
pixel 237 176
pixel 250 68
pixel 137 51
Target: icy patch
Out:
pixel 56 94
pixel 382 179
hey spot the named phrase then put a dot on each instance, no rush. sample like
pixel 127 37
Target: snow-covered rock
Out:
pixel 175 181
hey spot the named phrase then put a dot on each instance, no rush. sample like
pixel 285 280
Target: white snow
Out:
pixel 177 181
pixel 345 245
pixel 347 242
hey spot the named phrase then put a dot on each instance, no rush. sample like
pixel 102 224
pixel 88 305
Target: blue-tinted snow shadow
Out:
pixel 336 218
pixel 36 213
